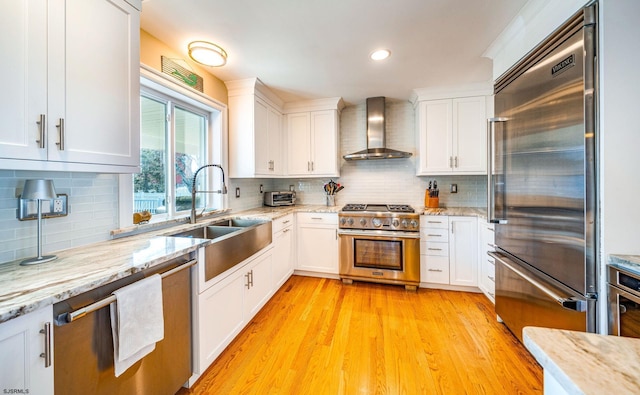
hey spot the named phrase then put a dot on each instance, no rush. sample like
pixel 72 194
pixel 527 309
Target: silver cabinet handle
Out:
pixel 435 270
pixel 248 283
pixel 434 222
pixel 492 294
pixel 491 229
pixel 251 277
pixel 492 278
pixel 451 161
pixel 286 222
pixel 316 217
pixel 41 128
pixel 491 204
pixel 456 161
pixel 313 166
pixel 432 235
pixel 308 166
pixel 61 132
pixel 434 249
pixel 285 230
pixel 46 331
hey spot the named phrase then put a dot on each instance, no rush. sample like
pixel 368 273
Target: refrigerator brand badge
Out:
pixel 565 64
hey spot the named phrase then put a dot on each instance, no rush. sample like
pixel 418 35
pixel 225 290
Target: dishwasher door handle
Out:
pixel 66 318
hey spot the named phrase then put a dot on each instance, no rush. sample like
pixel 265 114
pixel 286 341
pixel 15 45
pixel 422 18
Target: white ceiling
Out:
pixel 305 49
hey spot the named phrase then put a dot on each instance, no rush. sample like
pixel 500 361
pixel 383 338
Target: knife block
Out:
pixel 431 202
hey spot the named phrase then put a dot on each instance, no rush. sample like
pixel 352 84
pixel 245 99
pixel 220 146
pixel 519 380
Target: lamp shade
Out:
pixel 39 189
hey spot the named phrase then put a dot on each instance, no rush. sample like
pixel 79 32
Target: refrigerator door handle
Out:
pixel 567 303
pixel 490 183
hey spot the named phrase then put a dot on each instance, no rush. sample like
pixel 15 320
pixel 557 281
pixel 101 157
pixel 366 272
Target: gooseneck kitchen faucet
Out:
pixel 194 191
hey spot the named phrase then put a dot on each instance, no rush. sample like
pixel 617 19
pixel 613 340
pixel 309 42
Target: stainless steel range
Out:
pixel 380 243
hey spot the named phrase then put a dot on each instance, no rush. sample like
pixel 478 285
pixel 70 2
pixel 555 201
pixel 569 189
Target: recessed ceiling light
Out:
pixel 380 54
pixel 207 53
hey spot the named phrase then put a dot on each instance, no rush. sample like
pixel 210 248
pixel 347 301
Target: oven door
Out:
pixel 380 256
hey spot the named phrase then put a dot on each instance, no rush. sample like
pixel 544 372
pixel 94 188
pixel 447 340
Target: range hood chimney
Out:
pixel 376 135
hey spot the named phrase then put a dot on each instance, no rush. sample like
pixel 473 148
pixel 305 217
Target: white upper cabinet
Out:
pixel 452 136
pixel 255 130
pixel 72 102
pixel 313 137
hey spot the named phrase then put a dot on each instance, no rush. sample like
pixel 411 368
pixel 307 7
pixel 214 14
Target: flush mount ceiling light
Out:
pixel 207 53
pixel 380 54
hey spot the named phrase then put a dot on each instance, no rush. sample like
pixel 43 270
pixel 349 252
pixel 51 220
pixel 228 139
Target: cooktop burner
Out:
pixel 379 208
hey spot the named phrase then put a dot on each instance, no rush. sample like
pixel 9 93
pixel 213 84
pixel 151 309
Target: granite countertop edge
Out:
pixel 586 363
pixel 81 269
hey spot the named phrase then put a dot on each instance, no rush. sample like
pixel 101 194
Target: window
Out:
pixel 177 135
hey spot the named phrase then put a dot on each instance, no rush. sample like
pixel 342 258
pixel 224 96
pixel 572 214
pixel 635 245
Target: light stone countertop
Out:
pixel 629 262
pixel 454 211
pixel 587 363
pixel 77 270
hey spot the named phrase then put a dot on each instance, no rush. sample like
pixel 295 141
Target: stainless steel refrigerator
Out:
pixel 541 184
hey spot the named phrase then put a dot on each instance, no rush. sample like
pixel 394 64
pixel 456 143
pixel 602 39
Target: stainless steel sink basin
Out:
pixel 233 241
pixel 238 222
pixel 207 232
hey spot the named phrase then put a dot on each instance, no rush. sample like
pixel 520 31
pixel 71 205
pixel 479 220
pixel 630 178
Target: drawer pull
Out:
pixel 434 222
pixel 319 218
pixel 434 249
pixel 435 270
pixel 492 278
pixel 430 235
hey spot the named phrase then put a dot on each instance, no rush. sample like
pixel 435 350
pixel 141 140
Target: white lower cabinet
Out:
pixel 487 264
pixel 23 353
pixel 225 307
pixel 317 242
pixel 282 250
pixel 448 250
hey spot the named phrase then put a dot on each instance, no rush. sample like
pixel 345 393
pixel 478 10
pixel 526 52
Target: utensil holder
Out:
pixel 331 200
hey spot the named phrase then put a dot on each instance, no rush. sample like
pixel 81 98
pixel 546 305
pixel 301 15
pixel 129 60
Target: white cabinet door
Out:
pixel 282 256
pixel 299 143
pixel 258 284
pixel 317 242
pixel 452 136
pixel 275 143
pixel 435 142
pixel 470 139
pixel 98 100
pixel 261 136
pixel 463 251
pixel 220 318
pixel 76 67
pixel 324 158
pixel 23 65
pixel 21 343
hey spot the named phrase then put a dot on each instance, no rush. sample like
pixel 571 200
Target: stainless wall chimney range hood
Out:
pixel 376 148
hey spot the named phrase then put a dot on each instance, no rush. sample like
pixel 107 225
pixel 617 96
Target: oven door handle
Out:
pixel 379 233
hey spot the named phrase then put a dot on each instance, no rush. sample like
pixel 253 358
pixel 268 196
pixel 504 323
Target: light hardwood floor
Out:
pixel 318 336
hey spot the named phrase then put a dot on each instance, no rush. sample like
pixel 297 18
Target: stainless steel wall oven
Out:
pixel 624 302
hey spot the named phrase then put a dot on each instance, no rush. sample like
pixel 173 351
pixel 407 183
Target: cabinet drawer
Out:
pixel 434 249
pixel 434 234
pixel 434 221
pixel 280 223
pixel 491 269
pixel 436 269
pixel 317 218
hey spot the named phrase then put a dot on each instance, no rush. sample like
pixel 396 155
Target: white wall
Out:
pixel 93 213
pixel 619 131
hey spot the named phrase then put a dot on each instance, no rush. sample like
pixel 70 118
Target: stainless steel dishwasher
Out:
pixel 83 342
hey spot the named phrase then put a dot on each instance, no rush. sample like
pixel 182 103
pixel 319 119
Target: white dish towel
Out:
pixel 137 321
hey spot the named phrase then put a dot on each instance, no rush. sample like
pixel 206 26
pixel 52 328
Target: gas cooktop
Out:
pixel 378 208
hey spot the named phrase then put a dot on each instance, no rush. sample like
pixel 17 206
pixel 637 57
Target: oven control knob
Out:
pixel 363 221
pixel 350 221
pixel 395 223
pixel 414 223
pixel 343 221
pixel 376 222
pixel 405 223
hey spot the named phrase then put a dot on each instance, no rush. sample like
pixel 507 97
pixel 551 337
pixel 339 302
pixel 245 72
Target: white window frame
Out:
pixel 216 140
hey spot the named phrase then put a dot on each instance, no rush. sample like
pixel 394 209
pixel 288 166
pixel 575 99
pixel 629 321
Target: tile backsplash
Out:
pixel 93 213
